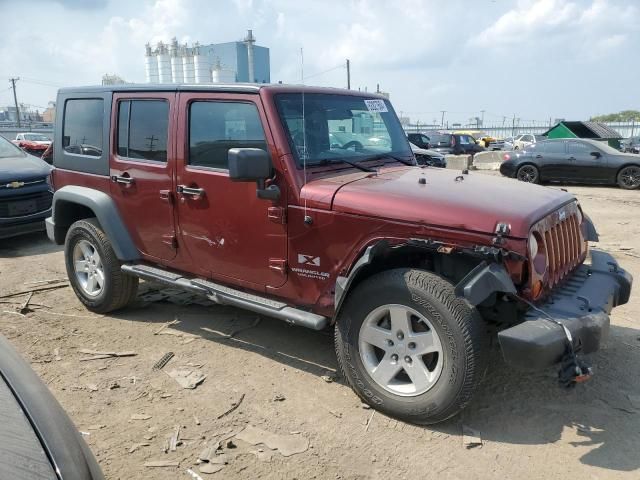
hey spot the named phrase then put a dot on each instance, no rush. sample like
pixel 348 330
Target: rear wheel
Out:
pixel 409 347
pixel 629 177
pixel 528 173
pixel 94 270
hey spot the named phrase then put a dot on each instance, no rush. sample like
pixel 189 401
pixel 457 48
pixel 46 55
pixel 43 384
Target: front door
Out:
pixel 230 234
pixel 141 169
pixel 588 168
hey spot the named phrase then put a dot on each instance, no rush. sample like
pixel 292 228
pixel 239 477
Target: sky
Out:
pixel 533 59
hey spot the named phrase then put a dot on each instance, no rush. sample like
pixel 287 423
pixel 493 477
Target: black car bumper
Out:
pixel 23 225
pixel 508 169
pixel 582 305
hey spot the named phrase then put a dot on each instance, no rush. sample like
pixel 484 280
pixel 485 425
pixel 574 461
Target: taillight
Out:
pixel 506 157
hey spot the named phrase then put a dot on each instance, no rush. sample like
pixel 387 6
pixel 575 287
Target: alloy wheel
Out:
pixel 88 268
pixel 400 350
pixel 630 177
pixel 528 173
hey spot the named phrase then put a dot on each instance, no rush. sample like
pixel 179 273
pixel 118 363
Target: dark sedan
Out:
pixel 573 161
pixel 25 192
pixel 39 441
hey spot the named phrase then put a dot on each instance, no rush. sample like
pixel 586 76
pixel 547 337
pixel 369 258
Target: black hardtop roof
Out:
pixel 213 87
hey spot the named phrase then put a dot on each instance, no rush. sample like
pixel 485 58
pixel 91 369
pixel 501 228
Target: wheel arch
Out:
pixel 382 256
pixel 625 165
pixel 73 203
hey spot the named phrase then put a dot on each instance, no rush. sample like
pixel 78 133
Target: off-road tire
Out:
pixel 462 333
pixel 119 289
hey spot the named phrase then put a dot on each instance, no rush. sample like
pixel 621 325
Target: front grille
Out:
pixel 562 243
pixel 29 204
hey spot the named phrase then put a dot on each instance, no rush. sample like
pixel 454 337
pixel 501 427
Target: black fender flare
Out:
pixel 105 210
pixel 590 232
pixel 343 284
pixel 484 280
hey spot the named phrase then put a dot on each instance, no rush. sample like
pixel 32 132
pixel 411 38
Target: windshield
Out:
pixel 8 149
pixel 36 137
pixel 338 127
pixel 440 140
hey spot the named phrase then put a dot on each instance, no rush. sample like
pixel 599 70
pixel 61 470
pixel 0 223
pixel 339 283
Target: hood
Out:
pixel 476 203
pixel 21 168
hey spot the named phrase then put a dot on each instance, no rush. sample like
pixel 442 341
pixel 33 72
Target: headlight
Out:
pixel 537 253
pixel 533 246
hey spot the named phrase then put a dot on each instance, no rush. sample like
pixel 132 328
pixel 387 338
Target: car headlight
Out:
pixel 537 253
pixel 533 246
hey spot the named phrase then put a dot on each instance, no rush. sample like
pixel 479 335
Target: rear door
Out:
pixel 142 169
pixel 231 235
pixel 553 156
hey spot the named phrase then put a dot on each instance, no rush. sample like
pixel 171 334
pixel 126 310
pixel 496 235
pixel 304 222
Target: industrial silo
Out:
pixel 150 65
pixel 176 62
pixel 222 75
pixel 164 64
pixel 201 65
pixel 188 72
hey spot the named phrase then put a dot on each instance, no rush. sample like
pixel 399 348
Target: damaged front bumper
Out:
pixel 582 305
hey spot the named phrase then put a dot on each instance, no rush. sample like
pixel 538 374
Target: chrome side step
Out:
pixel 229 296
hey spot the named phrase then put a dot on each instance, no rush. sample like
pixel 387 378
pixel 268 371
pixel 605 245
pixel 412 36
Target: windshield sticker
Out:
pixel 376 105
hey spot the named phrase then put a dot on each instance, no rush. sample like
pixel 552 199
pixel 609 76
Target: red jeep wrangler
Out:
pixel 305 204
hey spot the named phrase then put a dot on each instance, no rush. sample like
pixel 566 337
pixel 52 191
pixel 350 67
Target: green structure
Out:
pixel 592 130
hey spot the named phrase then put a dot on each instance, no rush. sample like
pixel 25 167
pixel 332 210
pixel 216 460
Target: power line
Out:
pixel 325 71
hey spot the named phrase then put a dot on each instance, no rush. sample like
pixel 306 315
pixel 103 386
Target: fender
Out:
pixel 103 208
pixel 344 283
pixel 590 232
pixel 484 280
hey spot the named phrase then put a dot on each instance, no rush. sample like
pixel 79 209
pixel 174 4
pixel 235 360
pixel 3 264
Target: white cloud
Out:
pixel 431 55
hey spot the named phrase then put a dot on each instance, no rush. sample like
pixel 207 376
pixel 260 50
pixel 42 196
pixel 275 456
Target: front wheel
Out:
pixel 629 177
pixel 409 347
pixel 94 270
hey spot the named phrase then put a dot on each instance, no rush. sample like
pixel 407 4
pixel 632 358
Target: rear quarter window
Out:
pixel 82 126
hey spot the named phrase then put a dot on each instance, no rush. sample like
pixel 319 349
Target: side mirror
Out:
pixel 596 154
pixel 252 165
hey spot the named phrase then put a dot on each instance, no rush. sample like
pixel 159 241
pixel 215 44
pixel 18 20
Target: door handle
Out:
pixel 573 159
pixel 123 180
pixel 191 191
pixel 538 156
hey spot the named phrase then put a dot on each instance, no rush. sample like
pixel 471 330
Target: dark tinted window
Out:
pixel 553 147
pixel 440 140
pixel 580 148
pixel 144 135
pixel 216 127
pixel 123 129
pixel 82 130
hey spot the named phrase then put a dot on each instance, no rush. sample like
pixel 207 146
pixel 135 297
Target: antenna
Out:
pixel 307 219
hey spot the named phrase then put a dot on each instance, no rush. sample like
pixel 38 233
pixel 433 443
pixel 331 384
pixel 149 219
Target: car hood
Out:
pixel 472 202
pixel 22 168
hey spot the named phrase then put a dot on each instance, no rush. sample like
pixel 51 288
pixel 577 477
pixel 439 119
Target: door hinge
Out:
pixel 171 240
pixel 279 265
pixel 277 215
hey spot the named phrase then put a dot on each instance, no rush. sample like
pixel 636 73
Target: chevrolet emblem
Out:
pixel 15 184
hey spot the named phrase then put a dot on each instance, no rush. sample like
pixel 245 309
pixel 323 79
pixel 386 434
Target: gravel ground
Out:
pixel 277 377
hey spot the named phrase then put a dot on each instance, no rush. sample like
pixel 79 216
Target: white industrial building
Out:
pixel 229 62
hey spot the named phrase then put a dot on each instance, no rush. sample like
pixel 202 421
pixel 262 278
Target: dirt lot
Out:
pixel 530 427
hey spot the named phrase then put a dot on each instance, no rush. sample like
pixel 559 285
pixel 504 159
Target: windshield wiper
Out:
pixel 328 161
pixel 380 156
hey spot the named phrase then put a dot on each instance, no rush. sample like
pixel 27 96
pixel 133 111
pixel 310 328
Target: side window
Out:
pixel 577 148
pixel 216 127
pixel 424 139
pixel 142 129
pixel 82 126
pixel 464 140
pixel 554 147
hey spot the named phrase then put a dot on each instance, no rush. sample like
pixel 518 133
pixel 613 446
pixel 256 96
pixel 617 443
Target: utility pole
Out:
pixel 348 75
pixel 15 98
pixel 482 119
pixel 442 121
